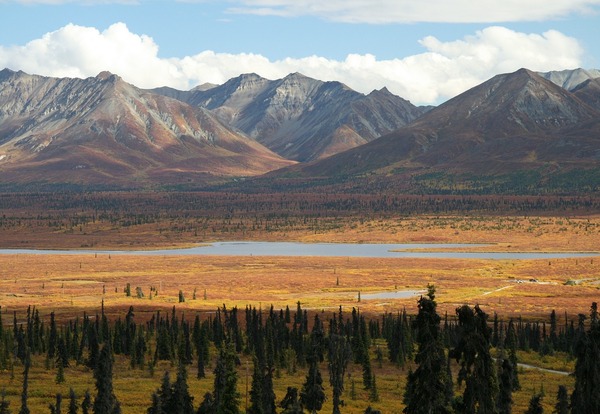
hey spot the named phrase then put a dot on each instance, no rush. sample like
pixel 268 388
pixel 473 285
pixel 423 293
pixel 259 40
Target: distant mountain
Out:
pixel 517 123
pixel 104 131
pixel 570 79
pixel 589 92
pixel 302 118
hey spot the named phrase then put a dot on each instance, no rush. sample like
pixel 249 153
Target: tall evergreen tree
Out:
pixel 56 408
pixel 312 395
pixel 262 396
pixel 182 401
pixel 511 346
pixel 290 403
pixel 426 389
pixel 105 402
pixel 339 355
pixel 477 367
pixel 86 404
pixel 207 406
pixel 562 401
pixel 505 401
pixel 73 406
pixel 535 405
pixel 52 337
pixel 225 395
pixel 24 393
pixel 586 395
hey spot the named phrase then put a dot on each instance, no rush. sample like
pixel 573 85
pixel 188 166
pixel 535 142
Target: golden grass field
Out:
pixel 71 284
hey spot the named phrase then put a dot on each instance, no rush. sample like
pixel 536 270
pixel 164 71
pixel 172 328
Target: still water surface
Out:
pixel 373 250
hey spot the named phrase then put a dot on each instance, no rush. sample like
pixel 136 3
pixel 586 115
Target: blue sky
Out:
pixel 424 51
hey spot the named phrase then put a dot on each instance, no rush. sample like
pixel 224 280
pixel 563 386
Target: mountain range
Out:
pixel 301 118
pixel 520 132
pixel 103 131
pixel 516 132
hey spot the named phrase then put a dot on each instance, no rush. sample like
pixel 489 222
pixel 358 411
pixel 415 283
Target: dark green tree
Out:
pixel 225 395
pixel 182 401
pixel 73 406
pixel 155 408
pixel 312 395
pixel 105 402
pixel 86 404
pixel 56 408
pixel 535 405
pixel 207 406
pixel 586 395
pixel 373 393
pixel 339 355
pixel 262 396
pixel 426 389
pixel 52 337
pixel 562 401
pixel 504 402
pixel 290 403
pixel 511 345
pixel 477 367
pixel 24 409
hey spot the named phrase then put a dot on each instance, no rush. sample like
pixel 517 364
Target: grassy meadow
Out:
pixel 72 284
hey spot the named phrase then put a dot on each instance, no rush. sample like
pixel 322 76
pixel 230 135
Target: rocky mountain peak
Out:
pixel 6 73
pixel 108 76
pixel 571 78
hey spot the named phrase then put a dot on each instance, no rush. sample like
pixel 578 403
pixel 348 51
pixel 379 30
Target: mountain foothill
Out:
pixel 518 132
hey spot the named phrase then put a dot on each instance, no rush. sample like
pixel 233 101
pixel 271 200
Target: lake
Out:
pixel 371 250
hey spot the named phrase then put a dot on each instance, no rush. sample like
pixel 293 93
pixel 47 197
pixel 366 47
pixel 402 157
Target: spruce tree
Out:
pixel 56 408
pixel 164 395
pixel 105 401
pixel 426 389
pixel 155 408
pixel 262 396
pixel 535 405
pixel 339 355
pixel 562 401
pixel 225 395
pixel 586 395
pixel 290 403
pixel 373 393
pixel 182 400
pixel 24 409
pixel 477 368
pixel 207 406
pixel 511 346
pixel 86 404
pixel 312 395
pixel 73 406
pixel 505 401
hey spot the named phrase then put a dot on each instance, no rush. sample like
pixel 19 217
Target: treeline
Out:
pixel 431 345
pixel 140 208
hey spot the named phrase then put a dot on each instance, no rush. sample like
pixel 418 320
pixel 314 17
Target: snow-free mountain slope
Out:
pixel 511 122
pixel 103 130
pixel 570 79
pixel 303 118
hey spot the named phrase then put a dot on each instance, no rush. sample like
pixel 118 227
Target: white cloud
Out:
pixel 444 70
pixel 410 11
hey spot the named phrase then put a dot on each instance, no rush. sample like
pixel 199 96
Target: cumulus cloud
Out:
pixel 411 11
pixel 442 71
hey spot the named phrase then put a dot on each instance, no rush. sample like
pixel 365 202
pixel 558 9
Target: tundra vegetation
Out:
pixel 124 333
